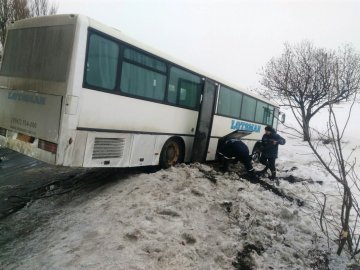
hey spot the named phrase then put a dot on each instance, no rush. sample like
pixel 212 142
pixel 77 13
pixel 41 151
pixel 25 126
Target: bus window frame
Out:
pixel 85 84
pixel 218 98
pixel 242 100
pixel 117 91
pixel 144 67
pixel 198 94
pixel 140 64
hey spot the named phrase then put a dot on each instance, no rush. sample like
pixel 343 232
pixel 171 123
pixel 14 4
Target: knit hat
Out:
pixel 269 128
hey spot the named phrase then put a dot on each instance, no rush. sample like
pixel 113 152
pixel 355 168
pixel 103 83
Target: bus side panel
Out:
pixel 159 143
pixel 142 150
pixel 108 149
pixel 225 125
pixel 75 152
pixel 134 115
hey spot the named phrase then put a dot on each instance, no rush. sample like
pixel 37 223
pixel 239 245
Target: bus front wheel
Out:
pixel 256 154
pixel 171 153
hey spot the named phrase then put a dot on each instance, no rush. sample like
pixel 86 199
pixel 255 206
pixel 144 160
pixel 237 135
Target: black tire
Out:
pixel 256 153
pixel 172 153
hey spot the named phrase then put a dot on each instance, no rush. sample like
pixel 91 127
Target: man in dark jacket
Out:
pixel 236 150
pixel 270 142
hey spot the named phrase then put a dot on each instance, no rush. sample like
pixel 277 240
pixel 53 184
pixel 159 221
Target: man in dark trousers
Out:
pixel 236 150
pixel 270 142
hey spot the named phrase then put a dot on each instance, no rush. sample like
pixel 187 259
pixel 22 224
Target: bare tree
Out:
pixel 13 10
pixel 6 13
pixel 20 10
pixel 42 8
pixel 344 223
pixel 307 79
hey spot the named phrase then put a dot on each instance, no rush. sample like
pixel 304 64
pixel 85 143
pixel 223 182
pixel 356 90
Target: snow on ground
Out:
pixel 175 219
pixel 180 219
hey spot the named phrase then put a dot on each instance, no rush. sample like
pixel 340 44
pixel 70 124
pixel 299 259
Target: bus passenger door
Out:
pixel 204 124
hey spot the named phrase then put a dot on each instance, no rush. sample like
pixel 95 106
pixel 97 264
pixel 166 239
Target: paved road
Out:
pixel 20 175
pixel 24 179
pixel 12 164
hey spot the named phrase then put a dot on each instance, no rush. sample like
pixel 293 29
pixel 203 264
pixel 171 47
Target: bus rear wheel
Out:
pixel 171 153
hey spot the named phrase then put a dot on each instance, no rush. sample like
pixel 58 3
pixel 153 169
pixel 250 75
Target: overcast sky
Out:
pixel 232 39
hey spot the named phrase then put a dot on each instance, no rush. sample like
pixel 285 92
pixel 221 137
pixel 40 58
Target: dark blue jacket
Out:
pixel 270 150
pixel 233 148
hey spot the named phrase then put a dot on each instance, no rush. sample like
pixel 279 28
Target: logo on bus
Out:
pixel 241 125
pixel 27 98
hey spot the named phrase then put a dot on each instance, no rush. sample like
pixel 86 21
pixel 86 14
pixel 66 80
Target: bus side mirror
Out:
pixel 282 117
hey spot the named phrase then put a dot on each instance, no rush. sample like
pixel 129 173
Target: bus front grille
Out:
pixel 108 148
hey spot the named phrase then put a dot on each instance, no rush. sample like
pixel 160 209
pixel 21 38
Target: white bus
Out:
pixel 74 92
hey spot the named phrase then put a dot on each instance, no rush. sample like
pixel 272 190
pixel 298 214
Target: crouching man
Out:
pixel 236 150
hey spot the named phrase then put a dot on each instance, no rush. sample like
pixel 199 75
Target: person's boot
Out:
pixel 273 175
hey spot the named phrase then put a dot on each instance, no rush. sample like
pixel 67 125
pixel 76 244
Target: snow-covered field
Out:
pixel 185 217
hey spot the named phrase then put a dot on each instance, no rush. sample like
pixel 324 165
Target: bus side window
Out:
pixel 248 108
pixel 143 75
pixel 261 112
pixel 269 115
pixel 101 65
pixel 229 103
pixel 188 93
pixel 264 113
pixel 184 88
pixel 172 93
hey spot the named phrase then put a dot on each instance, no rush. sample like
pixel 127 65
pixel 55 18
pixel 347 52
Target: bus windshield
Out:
pixel 40 53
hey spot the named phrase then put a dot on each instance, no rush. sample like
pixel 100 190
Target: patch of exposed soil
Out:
pixel 272 188
pixel 244 260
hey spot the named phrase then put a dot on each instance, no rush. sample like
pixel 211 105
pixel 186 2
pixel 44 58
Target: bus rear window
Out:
pixel 41 53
